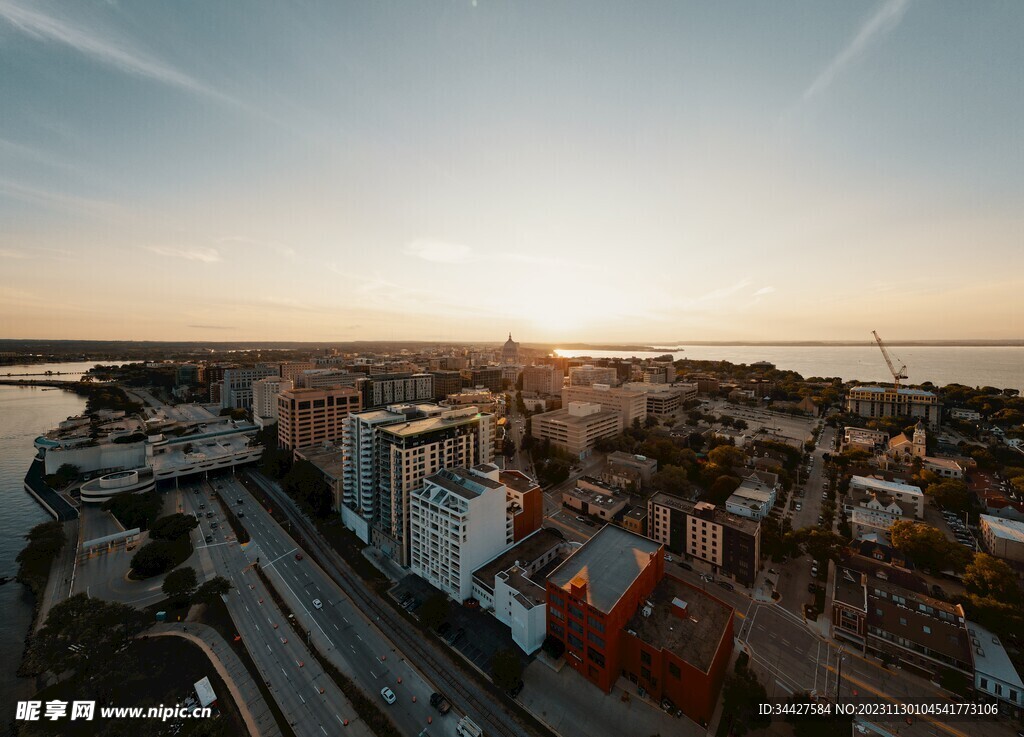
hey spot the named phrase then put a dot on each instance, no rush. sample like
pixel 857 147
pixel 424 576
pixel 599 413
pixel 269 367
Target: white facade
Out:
pixel 910 498
pixel 264 397
pixel 457 523
pixel 589 375
pixel 236 392
pixel 994 673
pixel 753 500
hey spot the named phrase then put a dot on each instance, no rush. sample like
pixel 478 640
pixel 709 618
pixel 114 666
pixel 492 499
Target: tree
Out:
pixel 820 544
pixel 210 590
pixel 85 635
pixel 506 669
pixel 172 527
pixel 727 457
pixel 952 494
pixel 927 546
pixel 136 510
pixel 153 558
pixel 435 610
pixel 721 488
pixel 673 480
pixel 992 577
pixel 67 473
pixel 306 485
pixel 180 585
pixel 741 694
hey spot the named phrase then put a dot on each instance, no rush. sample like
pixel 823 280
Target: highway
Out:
pixel 294 678
pixel 349 597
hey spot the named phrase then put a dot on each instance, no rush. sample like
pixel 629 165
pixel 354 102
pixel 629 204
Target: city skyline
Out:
pixel 566 173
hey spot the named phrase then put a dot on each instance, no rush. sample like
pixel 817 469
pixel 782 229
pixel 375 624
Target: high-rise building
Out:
pixel 292 370
pixel 577 427
pixel 885 401
pixel 308 417
pixel 446 382
pixel 630 404
pixel 323 378
pixel 380 390
pixel 588 375
pixel 237 389
pixel 488 376
pixel 457 522
pixel 542 379
pixel 264 398
pixel 390 452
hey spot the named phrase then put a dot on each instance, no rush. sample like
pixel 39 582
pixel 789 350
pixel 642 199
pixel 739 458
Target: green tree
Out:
pixel 136 510
pixel 673 480
pixel 173 526
pixel 153 558
pixel 988 576
pixel 819 543
pixel 506 669
pixel 952 494
pixel 435 610
pixel 210 590
pixel 741 694
pixel 927 546
pixel 180 585
pixel 727 457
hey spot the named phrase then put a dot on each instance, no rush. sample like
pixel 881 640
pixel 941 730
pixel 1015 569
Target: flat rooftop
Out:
pixel 695 635
pixel 517 480
pixel 610 562
pixel 904 391
pixel 848 588
pixel 524 552
pixel 719 516
pixel 606 498
pixel 329 460
pixel 883 485
pixel 429 424
pixel 1005 529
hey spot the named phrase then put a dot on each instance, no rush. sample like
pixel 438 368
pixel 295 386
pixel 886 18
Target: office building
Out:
pixel 730 545
pixel 490 377
pixel 577 427
pixel 186 374
pixel 619 463
pixel 542 380
pixel 588 375
pixel 658 373
pixel 264 398
pixel 308 417
pixel 630 404
pixel 236 391
pixel 324 378
pixel 861 438
pixel 383 389
pixel 879 401
pixel 663 400
pixel 446 382
pixel 457 522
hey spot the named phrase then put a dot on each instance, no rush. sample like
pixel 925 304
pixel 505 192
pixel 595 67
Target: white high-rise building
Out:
pixel 457 522
pixel 236 392
pixel 264 398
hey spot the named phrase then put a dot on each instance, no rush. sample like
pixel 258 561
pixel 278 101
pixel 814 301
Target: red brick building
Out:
pixel 619 615
pixel 526 501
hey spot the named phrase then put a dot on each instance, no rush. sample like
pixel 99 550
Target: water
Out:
pixel 998 366
pixel 25 412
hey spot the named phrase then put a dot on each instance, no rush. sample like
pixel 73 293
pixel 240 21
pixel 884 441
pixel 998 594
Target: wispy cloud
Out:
pixel 206 255
pixel 109 51
pixel 763 291
pixel 883 21
pixel 57 200
pixel 243 240
pixel 440 251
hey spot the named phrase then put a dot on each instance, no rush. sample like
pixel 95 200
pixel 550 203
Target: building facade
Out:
pixel 576 428
pixel 307 417
pixel 879 401
pixel 588 375
pixel 383 389
pixel 264 398
pixel 236 391
pixel 542 380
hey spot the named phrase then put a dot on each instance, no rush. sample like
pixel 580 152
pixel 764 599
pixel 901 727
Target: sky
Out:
pixel 564 171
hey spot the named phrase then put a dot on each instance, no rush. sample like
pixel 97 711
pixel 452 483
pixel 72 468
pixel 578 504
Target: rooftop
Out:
pixel 525 552
pixel 610 562
pixel 848 588
pixel 327 459
pixel 563 416
pixel 693 636
pixel 990 656
pixel 517 480
pixel 1005 529
pixel 430 424
pixel 718 515
pixel 891 487
pixel 462 482
pixel 904 391
pixel 603 495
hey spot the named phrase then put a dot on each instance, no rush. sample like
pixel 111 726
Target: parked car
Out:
pixel 388 695
pixel 580 518
pixel 238 501
pixel 209 538
pixel 685 566
pixel 515 690
pixel 726 585
pixel 439 702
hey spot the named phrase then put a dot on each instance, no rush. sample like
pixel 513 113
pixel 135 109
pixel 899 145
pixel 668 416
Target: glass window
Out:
pixel 673 670
pixel 645 657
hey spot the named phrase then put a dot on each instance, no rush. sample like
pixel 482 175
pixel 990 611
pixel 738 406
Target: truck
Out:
pixel 468 728
pixel 439 702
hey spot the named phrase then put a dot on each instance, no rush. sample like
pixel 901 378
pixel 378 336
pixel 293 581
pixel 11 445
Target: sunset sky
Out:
pixel 657 171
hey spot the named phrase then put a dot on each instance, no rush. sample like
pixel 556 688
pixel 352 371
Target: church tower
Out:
pixel 920 440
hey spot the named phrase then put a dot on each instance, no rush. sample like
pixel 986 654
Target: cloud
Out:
pixel 764 290
pixel 57 200
pixel 206 255
pixel 243 240
pixel 885 19
pixel 13 253
pixel 439 251
pixel 110 52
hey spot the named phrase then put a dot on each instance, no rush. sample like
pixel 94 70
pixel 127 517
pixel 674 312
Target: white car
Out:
pixel 388 695
pixel 317 604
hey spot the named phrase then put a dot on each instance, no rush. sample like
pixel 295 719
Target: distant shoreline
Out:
pixel 681 345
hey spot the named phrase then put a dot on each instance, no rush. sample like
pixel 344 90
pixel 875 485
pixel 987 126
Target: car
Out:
pixel 388 695
pixel 726 585
pixel 202 506
pixel 685 566
pixel 707 578
pixel 298 556
pixel 439 702
pixel 317 604
pixel 459 633
pixel 241 514
pixel 209 538
pixel 214 525
pixel 668 557
pixel 238 501
pixel 814 572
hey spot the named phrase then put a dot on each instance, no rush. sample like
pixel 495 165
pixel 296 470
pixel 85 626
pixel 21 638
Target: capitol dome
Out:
pixel 510 351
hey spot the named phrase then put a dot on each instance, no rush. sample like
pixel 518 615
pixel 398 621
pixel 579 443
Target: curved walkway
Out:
pixel 229 666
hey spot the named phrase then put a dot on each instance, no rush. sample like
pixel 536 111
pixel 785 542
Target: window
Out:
pixel 903 621
pixel 595 623
pixel 557 630
pixel 645 658
pixel 595 657
pixel 673 670
pixel 927 629
pixel 556 613
pixel 574 611
pixel 645 673
pixel 575 641
pixel 595 639
pixel 575 626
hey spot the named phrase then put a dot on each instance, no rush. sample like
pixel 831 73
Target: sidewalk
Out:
pixel 58 585
pixel 229 666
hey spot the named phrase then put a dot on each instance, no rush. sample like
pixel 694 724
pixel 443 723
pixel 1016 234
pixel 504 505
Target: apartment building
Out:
pixel 293 370
pixel 885 401
pixel 323 378
pixel 753 498
pixel 663 400
pixel 861 438
pixel 658 373
pixel 457 522
pixel 542 380
pixel 491 377
pixel 308 417
pixel 381 390
pixel 1004 538
pixel 446 382
pixel 236 390
pixel 577 427
pixel 525 503
pixel 588 375
pixel 264 398
pixel 630 404
pixel 729 544
pixel 910 499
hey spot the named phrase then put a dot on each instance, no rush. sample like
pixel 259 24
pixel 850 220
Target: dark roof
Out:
pixel 525 551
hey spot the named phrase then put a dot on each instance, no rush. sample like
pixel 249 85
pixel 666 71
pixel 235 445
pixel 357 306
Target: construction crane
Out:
pixel 896 375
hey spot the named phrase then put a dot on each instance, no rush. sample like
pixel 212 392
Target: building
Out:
pixel 904 449
pixel 947 468
pixel 330 462
pixel 525 503
pixel 966 415
pixel 753 498
pixel 588 375
pixel 595 498
pixel 542 380
pixel 293 370
pixel 510 352
pixel 864 488
pixel 618 460
pixel 186 374
pixel 994 672
pixel 658 373
pixel 617 614
pixel 446 382
pixel 511 586
pixel 663 400
pixel 885 401
pixel 457 522
pixel 264 398
pixel 729 544
pixel 903 627
pixel 630 404
pixel 236 391
pixel 861 438
pixel 391 453
pixel 577 427
pixel 384 389
pixel 1004 538
pixel 706 384
pixel 323 378
pixel 490 377
pixel 635 519
pixel 308 417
